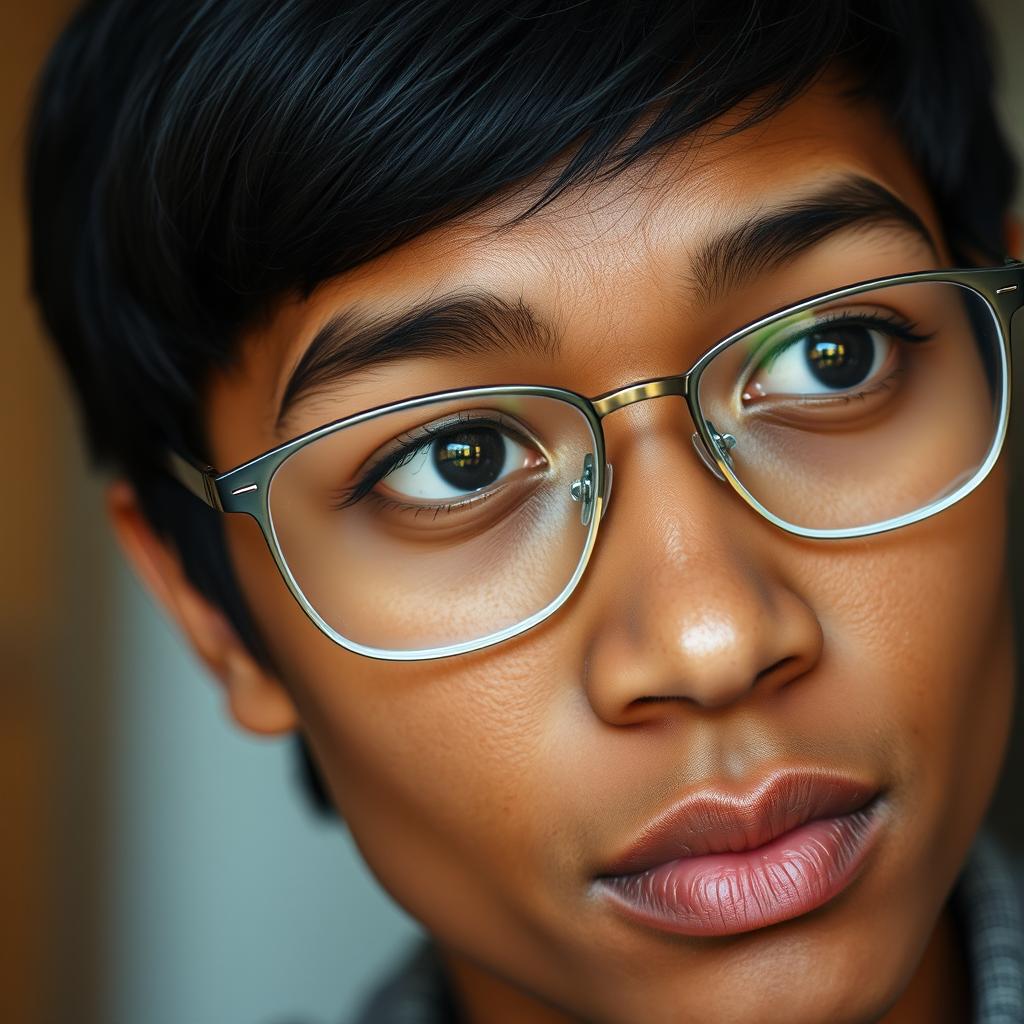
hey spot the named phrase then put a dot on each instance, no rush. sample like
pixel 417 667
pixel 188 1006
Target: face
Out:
pixel 703 649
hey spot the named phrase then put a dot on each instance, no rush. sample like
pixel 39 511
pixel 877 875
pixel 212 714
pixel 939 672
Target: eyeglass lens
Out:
pixel 452 521
pixel 863 409
pixel 441 524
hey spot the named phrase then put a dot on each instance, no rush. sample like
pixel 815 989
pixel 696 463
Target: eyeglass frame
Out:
pixel 246 487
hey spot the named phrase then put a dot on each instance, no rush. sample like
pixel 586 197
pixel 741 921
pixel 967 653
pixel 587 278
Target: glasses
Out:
pixel 449 522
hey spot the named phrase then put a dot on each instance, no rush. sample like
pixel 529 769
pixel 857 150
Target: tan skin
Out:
pixel 486 790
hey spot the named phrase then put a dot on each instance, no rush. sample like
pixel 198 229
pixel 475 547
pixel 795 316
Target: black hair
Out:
pixel 192 161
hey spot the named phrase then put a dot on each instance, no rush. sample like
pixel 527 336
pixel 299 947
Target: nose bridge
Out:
pixel 677 385
pixel 656 388
pixel 686 606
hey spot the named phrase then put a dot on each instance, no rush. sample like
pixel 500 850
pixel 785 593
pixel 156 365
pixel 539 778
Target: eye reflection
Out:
pixel 845 354
pixel 842 359
pixel 459 462
pixel 823 361
pixel 471 459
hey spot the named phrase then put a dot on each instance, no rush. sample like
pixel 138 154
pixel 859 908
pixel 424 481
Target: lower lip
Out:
pixel 728 893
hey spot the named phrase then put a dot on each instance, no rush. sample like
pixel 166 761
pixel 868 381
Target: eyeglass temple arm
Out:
pixel 200 480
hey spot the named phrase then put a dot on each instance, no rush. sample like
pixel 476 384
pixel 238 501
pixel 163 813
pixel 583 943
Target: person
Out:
pixel 582 425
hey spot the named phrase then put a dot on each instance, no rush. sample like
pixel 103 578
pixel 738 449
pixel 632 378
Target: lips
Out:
pixel 716 821
pixel 720 863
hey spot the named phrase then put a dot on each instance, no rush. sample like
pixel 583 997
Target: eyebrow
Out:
pixel 763 243
pixel 483 323
pixel 459 325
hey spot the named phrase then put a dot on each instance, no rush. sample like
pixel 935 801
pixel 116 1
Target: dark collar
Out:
pixel 986 901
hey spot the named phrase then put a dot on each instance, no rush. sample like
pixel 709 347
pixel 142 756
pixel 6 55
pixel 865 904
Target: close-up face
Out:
pixel 501 795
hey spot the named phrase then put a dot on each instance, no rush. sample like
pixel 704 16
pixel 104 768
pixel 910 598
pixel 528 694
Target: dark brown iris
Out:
pixel 841 357
pixel 470 459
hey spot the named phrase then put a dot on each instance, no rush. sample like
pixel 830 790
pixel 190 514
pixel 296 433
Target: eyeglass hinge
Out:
pixel 198 479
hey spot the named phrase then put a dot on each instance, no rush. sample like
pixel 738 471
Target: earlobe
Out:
pixel 257 700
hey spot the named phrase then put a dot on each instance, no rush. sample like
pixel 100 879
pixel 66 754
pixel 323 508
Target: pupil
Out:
pixel 840 358
pixel 470 459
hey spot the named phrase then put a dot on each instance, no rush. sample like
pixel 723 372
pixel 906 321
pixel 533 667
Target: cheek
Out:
pixel 919 649
pixel 434 766
pixel 472 785
pixel 441 776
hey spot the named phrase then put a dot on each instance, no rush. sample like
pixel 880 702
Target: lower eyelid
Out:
pixel 830 411
pixel 848 396
pixel 386 502
pixel 467 499
pixel 769 404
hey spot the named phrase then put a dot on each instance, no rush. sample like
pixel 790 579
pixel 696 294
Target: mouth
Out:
pixel 719 864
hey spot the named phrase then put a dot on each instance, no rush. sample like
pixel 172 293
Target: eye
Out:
pixel 459 462
pixel 825 360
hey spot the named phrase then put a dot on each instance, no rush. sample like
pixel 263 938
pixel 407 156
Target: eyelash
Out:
pixel 408 446
pixel 414 442
pixel 905 330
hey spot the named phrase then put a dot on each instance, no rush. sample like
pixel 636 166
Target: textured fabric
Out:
pixel 416 993
pixel 988 906
pixel 987 899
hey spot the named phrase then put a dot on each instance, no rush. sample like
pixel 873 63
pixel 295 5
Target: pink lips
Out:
pixel 718 864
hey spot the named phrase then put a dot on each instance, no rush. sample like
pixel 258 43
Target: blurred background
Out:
pixel 158 866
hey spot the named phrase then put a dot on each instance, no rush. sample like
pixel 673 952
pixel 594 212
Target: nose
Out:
pixel 690 605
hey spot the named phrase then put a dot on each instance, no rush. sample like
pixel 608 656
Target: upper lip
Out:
pixel 717 821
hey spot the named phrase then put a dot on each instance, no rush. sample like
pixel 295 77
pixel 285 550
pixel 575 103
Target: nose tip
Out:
pixel 721 671
pixel 710 660
pixel 711 647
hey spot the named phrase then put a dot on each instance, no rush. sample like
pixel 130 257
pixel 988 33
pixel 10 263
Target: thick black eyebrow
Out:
pixel 456 325
pixel 722 263
pixel 482 322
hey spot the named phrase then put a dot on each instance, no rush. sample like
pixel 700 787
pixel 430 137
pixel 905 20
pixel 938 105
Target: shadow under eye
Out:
pixel 476 514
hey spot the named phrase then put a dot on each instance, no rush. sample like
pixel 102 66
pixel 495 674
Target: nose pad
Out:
pixel 607 488
pixel 724 443
pixel 582 490
pixel 701 450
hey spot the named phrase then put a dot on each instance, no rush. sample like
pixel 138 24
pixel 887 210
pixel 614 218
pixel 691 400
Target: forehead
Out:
pixel 589 259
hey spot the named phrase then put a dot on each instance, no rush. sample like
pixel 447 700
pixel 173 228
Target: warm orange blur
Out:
pixel 48 849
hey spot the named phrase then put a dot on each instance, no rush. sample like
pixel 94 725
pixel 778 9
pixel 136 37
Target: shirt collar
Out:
pixel 987 904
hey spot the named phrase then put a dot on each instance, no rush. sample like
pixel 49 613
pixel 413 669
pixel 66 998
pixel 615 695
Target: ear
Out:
pixel 257 700
pixel 1012 235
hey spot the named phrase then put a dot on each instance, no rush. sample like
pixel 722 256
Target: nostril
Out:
pixel 705 457
pixel 789 666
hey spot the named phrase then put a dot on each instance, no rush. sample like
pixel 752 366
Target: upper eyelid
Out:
pixel 801 326
pixel 379 469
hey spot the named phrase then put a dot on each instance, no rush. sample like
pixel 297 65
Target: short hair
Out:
pixel 190 162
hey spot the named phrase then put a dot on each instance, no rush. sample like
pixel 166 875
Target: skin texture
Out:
pixel 485 791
